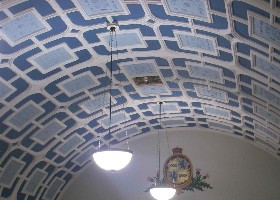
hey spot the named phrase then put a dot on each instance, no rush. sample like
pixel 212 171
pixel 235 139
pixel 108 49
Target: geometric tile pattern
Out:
pixel 22 26
pixel 53 58
pixel 267 114
pixel 69 145
pixel 266 67
pixel 92 105
pixel 166 108
pixel 116 118
pixel 218 64
pixel 78 84
pixel 192 8
pixel 266 95
pixel 35 181
pixel 220 126
pixel 5 90
pixel 127 40
pixel 24 116
pixel 267 132
pixel 127 133
pixel 209 110
pixel 197 43
pixel 211 94
pixel 54 189
pixel 140 70
pixel 9 174
pixel 173 122
pixel 206 73
pixel 265 31
pixel 100 7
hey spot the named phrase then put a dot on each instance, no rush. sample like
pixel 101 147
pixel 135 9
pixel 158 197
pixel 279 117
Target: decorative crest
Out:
pixel 178 172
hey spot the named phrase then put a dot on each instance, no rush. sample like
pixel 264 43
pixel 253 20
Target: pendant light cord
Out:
pixel 111 82
pixel 158 175
pixel 167 138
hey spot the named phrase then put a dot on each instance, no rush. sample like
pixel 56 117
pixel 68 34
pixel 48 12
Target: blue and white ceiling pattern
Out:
pixel 218 65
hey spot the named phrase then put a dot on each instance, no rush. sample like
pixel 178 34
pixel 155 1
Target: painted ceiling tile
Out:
pixel 211 94
pixel 266 67
pixel 266 95
pixel 173 122
pixel 265 31
pixel 70 145
pixel 25 116
pixel 54 188
pixel 53 58
pixel 48 132
pixel 95 104
pixel 82 158
pixel 22 26
pixel 34 182
pixel 195 8
pixel 266 131
pixel 267 114
pixel 219 112
pixel 100 7
pixel 5 89
pixel 220 125
pixel 141 69
pixel 78 84
pixel 200 43
pixel 115 119
pixel 154 90
pixel 10 172
pixel 210 74
pixel 127 40
pixel 126 133
pixel 165 108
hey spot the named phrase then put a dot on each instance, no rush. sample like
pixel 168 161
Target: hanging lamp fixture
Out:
pixel 161 191
pixel 112 159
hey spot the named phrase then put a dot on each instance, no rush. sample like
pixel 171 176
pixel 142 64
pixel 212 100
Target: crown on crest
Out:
pixel 177 150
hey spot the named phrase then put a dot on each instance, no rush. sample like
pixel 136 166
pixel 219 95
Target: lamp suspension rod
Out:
pixel 112 29
pixel 160 104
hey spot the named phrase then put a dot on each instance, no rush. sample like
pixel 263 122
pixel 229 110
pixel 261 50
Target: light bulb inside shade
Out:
pixel 162 193
pixel 112 159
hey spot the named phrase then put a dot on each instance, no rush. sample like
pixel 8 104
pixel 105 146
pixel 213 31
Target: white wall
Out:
pixel 238 170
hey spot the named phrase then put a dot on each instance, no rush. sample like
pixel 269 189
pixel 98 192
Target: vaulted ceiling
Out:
pixel 215 64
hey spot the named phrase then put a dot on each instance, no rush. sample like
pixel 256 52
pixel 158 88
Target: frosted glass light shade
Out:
pixel 112 159
pixel 162 193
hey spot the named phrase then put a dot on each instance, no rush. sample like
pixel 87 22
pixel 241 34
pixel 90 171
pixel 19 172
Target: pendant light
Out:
pixel 112 159
pixel 161 191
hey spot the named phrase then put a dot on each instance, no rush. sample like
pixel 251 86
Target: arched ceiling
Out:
pixel 216 65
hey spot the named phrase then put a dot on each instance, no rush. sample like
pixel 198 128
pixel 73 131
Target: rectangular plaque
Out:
pixel 267 114
pixel 198 43
pixel 266 95
pixel 260 28
pixel 25 116
pixel 52 59
pixel 101 7
pixel 10 172
pixel 196 9
pixel 218 112
pixel 211 94
pixel 211 74
pixel 19 28
pixel 261 64
pixel 78 84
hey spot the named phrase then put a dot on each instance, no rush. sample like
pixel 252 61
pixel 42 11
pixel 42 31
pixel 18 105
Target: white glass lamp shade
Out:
pixel 112 159
pixel 162 193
